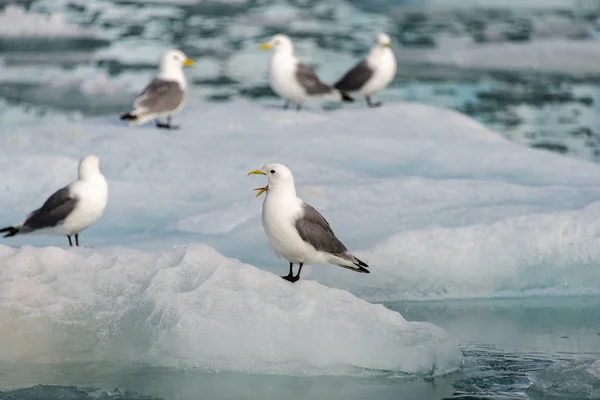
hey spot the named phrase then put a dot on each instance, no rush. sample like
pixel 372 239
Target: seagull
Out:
pixel 165 95
pixel 291 79
pixel 71 209
pixel 372 74
pixel 296 231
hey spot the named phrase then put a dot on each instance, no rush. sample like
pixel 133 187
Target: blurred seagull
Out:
pixel 372 74
pixel 291 79
pixel 165 95
pixel 296 231
pixel 71 209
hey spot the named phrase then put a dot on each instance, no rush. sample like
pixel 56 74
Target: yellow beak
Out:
pixel 256 172
pixel 387 45
pixel 265 46
pixel 261 190
pixel 188 62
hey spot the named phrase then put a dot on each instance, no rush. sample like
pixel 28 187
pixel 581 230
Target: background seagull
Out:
pixel 372 74
pixel 71 209
pixel 165 95
pixel 296 231
pixel 294 81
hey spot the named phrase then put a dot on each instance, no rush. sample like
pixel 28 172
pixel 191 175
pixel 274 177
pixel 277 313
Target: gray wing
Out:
pixel 314 229
pixel 54 211
pixel 310 81
pixel 160 96
pixel 356 78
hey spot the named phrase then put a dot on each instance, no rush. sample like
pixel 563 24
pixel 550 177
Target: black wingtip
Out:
pixel 346 97
pixel 128 117
pixel 10 231
pixel 362 266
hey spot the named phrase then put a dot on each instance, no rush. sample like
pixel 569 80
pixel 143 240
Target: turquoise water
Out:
pixel 544 348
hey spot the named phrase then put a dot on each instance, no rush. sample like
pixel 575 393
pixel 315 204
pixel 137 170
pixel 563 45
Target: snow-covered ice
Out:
pixel 572 57
pixel 17 22
pixel 192 307
pixel 437 204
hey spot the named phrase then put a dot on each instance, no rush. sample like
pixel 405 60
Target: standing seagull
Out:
pixel 71 209
pixel 165 95
pixel 296 231
pixel 291 79
pixel 373 73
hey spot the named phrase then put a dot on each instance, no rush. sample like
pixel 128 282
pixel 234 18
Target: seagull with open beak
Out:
pixel 296 231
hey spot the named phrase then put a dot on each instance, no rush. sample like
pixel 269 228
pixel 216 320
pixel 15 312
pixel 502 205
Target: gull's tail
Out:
pixel 10 231
pixel 348 261
pixel 129 116
pixel 347 98
pixel 136 117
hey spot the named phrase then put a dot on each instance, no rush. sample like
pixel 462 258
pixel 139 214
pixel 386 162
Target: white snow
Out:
pixel 17 22
pixel 435 203
pixel 192 307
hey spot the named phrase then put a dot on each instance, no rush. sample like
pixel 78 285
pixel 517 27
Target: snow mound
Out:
pixel 192 307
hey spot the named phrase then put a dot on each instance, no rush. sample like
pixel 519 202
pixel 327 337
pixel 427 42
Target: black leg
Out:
pixel 290 277
pixel 298 274
pixel 291 274
pixel 70 243
pixel 167 125
pixel 77 239
pixel 371 104
pixel 286 105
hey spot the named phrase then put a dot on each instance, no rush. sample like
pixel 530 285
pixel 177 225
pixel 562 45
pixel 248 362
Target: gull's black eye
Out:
pixel 272 171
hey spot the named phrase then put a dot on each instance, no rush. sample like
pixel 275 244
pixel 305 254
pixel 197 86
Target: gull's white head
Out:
pixel 383 40
pixel 280 177
pixel 174 60
pixel 89 166
pixel 279 43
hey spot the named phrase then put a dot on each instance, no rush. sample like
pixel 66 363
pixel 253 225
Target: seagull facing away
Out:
pixel 291 79
pixel 71 209
pixel 372 74
pixel 165 95
pixel 296 231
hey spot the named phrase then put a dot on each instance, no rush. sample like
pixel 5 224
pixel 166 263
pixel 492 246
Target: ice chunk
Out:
pixel 437 204
pixel 572 57
pixel 16 21
pixel 192 307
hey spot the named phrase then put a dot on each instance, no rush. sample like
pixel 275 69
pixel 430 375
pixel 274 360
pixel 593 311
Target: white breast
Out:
pixel 93 196
pixel 282 78
pixel 384 68
pixel 278 219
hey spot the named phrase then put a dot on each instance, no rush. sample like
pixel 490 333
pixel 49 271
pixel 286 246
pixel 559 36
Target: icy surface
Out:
pixel 17 22
pixel 573 57
pixel 192 307
pixel 437 204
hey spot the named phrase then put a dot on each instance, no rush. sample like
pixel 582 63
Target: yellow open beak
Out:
pixel 188 62
pixel 265 46
pixel 261 190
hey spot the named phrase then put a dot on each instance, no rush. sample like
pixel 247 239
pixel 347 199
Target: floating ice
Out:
pixel 195 308
pixel 17 22
pixel 572 57
pixel 437 204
